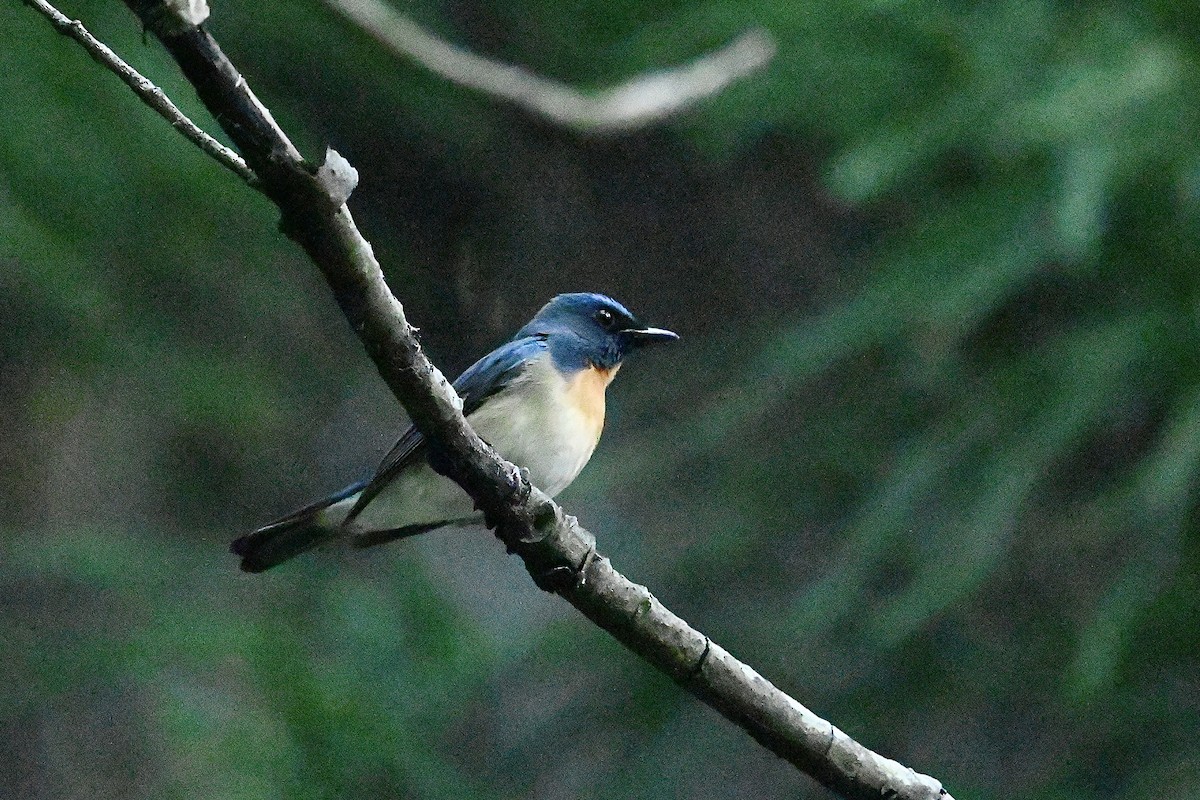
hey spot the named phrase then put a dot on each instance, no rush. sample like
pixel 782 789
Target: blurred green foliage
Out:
pixel 927 457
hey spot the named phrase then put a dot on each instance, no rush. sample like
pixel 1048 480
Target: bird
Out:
pixel 537 399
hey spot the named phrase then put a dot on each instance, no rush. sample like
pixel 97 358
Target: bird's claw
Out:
pixel 521 485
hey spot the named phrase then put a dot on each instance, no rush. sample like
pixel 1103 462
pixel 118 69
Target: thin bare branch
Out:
pixel 643 100
pixel 149 94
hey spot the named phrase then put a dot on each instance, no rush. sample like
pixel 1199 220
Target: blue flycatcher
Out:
pixel 538 400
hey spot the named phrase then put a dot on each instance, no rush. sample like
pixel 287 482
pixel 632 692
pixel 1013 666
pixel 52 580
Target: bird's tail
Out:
pixel 298 532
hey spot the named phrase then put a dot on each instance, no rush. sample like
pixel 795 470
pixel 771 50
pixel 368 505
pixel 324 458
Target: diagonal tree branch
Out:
pixel 559 554
pixel 643 100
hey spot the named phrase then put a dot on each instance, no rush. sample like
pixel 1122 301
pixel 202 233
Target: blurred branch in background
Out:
pixel 559 554
pixel 643 100
pixel 150 94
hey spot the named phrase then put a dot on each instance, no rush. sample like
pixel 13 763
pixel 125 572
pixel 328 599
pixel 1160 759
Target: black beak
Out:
pixel 640 337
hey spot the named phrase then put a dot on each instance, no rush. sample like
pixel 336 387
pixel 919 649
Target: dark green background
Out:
pixel 926 457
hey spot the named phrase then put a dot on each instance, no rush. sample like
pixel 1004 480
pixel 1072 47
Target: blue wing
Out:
pixel 484 378
pixel 496 370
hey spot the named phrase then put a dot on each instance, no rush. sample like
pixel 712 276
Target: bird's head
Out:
pixel 585 329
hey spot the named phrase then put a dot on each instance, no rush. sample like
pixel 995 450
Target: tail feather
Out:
pixel 289 536
pixel 374 538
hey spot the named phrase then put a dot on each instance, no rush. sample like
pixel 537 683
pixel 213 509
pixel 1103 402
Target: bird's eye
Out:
pixel 604 317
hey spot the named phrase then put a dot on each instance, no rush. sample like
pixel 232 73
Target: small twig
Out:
pixel 646 99
pixel 150 94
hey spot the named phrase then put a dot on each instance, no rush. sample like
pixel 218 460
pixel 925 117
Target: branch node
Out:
pixel 171 17
pixel 544 518
pixel 522 487
pixel 336 177
pixel 556 579
pixel 696 671
pixel 643 607
pixel 582 570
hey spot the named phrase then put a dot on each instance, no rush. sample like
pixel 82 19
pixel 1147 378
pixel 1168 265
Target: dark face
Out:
pixel 624 332
pixel 592 330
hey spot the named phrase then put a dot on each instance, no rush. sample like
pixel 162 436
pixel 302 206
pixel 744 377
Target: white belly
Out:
pixel 534 422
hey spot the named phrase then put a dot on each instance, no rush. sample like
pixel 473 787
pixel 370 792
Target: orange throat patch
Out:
pixel 585 391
